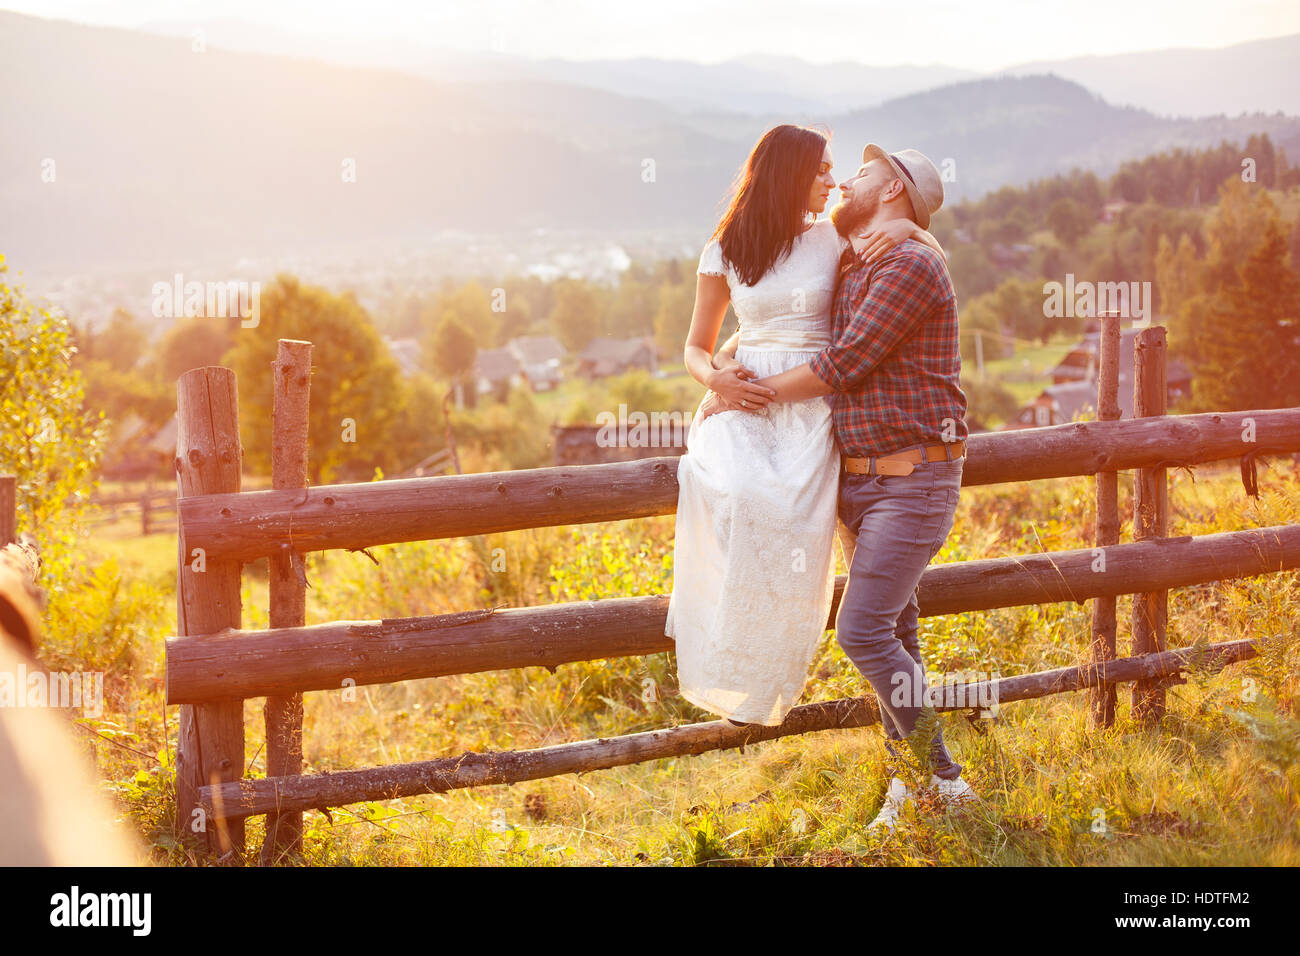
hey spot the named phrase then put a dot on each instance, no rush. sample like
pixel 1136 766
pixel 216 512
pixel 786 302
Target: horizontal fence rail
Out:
pixel 244 798
pixel 251 525
pixel 243 664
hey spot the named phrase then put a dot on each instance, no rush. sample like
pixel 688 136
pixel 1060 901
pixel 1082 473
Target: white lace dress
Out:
pixel 753 569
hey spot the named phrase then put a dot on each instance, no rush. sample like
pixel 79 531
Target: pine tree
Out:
pixel 1245 336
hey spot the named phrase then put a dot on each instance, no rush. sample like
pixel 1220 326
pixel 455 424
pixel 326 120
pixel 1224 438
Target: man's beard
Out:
pixel 847 216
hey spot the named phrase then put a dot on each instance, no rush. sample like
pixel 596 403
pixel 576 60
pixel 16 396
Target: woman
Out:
pixel 753 574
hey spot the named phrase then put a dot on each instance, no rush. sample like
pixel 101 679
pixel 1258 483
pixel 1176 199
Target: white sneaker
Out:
pixel 953 791
pixel 897 796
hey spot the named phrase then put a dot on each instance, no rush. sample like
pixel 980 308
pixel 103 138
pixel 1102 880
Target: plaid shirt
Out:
pixel 894 364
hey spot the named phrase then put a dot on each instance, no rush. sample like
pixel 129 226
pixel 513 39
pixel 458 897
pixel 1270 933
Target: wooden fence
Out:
pixel 213 666
pixel 152 508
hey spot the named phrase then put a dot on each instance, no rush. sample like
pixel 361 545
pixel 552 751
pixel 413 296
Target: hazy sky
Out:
pixel 976 34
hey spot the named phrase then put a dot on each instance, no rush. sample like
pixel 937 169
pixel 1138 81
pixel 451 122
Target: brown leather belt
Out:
pixel 904 462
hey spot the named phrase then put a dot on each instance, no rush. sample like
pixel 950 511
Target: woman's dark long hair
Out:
pixel 770 202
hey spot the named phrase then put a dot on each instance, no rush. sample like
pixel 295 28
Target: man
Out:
pixel 893 374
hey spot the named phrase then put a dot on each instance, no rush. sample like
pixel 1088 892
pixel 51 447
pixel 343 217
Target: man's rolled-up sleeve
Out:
pixel 901 296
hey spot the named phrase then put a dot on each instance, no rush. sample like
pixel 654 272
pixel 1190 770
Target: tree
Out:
pixel 972 270
pixel 1233 230
pixel 472 305
pixel 120 344
pixel 1176 273
pixel 192 343
pixel 1069 220
pixel 988 401
pixel 639 391
pixel 1019 304
pixel 51 441
pixel 405 316
pixel 119 394
pixel 1051 261
pixel 633 309
pixel 981 320
pixel 451 349
pixel 1260 149
pixel 417 429
pixel 673 319
pixel 575 319
pixel 516 319
pixel 505 435
pixel 1013 227
pixel 943 226
pixel 1243 340
pixel 355 397
pixel 112 380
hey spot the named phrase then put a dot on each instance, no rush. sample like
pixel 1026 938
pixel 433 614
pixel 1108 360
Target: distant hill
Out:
pixel 1254 77
pixel 752 84
pixel 160 151
pixel 755 84
pixel 1009 130
pixel 1257 76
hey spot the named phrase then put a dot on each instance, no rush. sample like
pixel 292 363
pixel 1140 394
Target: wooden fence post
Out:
pixel 1107 530
pixel 1150 517
pixel 8 509
pixel 210 748
pixel 288 588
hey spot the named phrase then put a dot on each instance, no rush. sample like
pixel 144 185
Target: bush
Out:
pixel 988 402
pixel 51 443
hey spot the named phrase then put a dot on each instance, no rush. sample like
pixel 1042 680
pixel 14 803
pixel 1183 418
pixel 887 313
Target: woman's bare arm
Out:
pixel 727 354
pixel 875 244
pixel 711 298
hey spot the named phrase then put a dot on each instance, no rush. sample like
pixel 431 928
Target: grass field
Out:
pixel 1025 374
pixel 1216 783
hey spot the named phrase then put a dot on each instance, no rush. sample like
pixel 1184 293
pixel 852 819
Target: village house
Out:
pixel 1111 210
pixel 406 352
pixel 1074 384
pixel 140 450
pixel 541 359
pixel 605 356
pixel 582 445
pixel 496 371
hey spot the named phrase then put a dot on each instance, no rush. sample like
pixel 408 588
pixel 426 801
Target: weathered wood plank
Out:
pixel 20 597
pixel 351 516
pixel 208 456
pixel 323 656
pixel 8 509
pixel 1102 699
pixel 291 382
pixel 248 797
pixel 1150 516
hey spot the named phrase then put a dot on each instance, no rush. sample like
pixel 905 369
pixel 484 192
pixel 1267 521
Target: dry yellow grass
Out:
pixel 1216 783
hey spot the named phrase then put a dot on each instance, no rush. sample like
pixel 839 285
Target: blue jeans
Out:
pixel 891 526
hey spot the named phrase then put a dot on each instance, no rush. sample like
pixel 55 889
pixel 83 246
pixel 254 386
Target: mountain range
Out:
pixel 127 146
pixel 1257 76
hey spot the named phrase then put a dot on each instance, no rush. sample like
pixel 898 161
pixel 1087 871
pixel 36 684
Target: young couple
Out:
pixel 838 397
